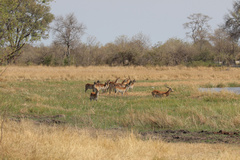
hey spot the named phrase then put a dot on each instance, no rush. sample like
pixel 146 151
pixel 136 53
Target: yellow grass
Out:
pixel 93 73
pixel 26 140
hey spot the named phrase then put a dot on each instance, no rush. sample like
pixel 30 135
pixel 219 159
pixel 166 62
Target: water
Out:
pixel 230 89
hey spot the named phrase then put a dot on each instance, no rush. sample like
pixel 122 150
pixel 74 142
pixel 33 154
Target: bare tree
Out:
pixel 122 42
pixel 141 41
pixel 92 50
pixel 68 32
pixel 198 26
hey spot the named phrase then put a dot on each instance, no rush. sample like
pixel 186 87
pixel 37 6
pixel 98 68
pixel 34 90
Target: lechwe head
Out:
pixel 157 93
pixel 131 84
pixel 126 80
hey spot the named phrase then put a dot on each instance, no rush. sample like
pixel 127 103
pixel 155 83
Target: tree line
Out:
pixel 27 21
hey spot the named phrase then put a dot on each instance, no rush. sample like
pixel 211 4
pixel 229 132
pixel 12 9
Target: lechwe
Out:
pixel 90 86
pixel 100 87
pixel 131 84
pixel 157 93
pixel 121 89
pixel 94 95
pixel 112 84
pixel 126 81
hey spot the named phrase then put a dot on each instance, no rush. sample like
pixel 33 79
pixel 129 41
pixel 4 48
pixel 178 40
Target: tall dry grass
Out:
pixel 105 72
pixel 26 140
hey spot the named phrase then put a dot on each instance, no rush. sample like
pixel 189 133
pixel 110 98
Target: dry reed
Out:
pixel 26 140
pixel 93 73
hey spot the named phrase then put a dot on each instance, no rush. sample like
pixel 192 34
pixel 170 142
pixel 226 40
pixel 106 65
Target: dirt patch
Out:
pixel 56 119
pixel 194 137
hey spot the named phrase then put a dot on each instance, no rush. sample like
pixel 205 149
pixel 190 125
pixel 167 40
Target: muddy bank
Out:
pixel 194 137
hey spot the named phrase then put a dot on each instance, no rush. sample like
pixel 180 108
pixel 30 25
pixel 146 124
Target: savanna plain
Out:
pixel 45 113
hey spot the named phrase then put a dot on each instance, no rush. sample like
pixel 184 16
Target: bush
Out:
pixel 47 60
pixel 66 62
pixel 200 63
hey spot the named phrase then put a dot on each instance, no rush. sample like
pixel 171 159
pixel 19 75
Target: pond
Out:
pixel 230 89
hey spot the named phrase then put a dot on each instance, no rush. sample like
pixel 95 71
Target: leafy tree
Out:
pixel 224 46
pixel 68 32
pixel 129 51
pixel 22 21
pixel 174 52
pixel 232 21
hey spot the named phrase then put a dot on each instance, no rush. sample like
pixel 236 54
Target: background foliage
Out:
pixel 26 21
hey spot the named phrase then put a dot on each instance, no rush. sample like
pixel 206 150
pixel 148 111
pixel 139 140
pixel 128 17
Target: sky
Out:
pixel 159 20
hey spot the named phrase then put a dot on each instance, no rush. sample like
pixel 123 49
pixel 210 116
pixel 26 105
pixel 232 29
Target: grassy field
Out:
pixel 42 93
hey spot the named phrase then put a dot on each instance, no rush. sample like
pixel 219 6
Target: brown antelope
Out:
pixel 112 84
pixel 117 84
pixel 121 89
pixel 94 95
pixel 131 84
pixel 99 86
pixel 157 93
pixel 90 86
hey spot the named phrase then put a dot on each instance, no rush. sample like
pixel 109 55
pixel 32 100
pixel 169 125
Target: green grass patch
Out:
pixel 234 84
pixel 185 108
pixel 221 85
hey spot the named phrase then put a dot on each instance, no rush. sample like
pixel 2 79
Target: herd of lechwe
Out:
pixel 117 87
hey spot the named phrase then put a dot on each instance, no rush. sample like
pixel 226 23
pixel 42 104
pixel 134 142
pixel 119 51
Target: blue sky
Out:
pixel 157 19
